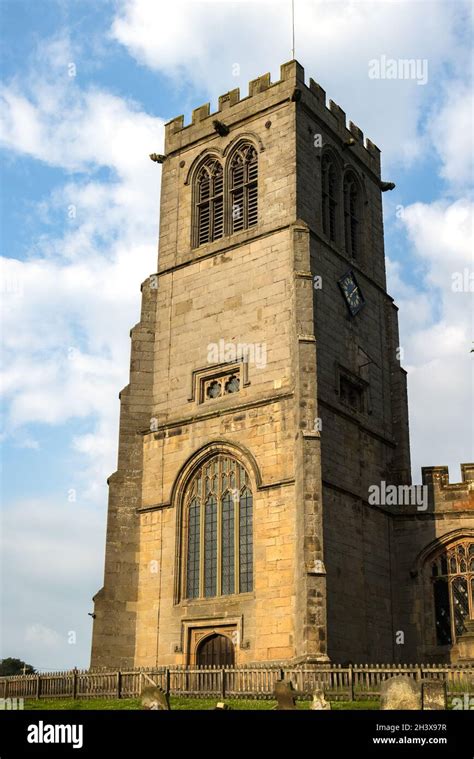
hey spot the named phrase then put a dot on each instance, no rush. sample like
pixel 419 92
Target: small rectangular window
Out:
pixel 351 393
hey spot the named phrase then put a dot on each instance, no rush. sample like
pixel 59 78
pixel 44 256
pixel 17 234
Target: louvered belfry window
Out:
pixel 351 214
pixel 210 202
pixel 218 530
pixel 329 197
pixel 226 204
pixel 244 188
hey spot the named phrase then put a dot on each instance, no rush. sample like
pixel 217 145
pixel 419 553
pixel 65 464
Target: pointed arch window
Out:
pixel 452 575
pixel 218 530
pixel 243 188
pixel 352 214
pixel 329 196
pixel 209 211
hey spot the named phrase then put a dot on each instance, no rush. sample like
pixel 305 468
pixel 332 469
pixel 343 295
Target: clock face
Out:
pixel 352 293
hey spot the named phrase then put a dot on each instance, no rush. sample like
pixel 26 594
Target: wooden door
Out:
pixel 215 650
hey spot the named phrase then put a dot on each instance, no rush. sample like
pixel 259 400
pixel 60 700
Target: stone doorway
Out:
pixel 215 650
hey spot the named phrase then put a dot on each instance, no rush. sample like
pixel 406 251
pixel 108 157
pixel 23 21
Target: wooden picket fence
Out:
pixel 343 683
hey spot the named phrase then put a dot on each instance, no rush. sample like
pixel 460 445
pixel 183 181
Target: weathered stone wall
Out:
pixel 259 421
pixel 417 535
pixel 358 448
pixel 113 641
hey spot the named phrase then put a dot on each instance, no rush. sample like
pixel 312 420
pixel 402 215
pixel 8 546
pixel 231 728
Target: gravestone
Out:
pixel 319 702
pixel 400 692
pixel 155 699
pixel 285 695
pixel 434 694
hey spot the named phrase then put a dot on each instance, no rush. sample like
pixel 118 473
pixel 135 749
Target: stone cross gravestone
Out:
pixel 400 692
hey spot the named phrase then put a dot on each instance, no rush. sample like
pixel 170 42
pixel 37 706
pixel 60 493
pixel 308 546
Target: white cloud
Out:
pixel 28 442
pixel 436 334
pixel 451 130
pixel 199 43
pixel 43 636
pixel 52 559
pixel 69 306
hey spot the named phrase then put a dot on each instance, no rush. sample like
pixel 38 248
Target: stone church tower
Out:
pixel 265 398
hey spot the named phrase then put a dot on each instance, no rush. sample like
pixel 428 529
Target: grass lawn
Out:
pixel 178 703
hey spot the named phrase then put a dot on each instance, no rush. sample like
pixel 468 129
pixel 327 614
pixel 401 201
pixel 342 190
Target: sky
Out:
pixel 85 90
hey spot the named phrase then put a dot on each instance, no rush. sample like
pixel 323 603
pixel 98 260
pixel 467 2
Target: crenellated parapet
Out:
pixel 450 496
pixel 265 94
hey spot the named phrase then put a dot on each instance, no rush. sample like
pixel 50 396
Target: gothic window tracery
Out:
pixel 452 574
pixel 226 202
pixel 218 526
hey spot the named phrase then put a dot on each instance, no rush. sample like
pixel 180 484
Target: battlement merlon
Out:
pixel 445 495
pixel 263 94
pixel 438 476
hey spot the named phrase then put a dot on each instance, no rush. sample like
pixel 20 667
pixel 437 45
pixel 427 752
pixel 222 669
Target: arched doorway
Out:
pixel 215 650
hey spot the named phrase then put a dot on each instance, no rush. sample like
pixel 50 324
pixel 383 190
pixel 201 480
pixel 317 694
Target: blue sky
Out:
pixel 79 216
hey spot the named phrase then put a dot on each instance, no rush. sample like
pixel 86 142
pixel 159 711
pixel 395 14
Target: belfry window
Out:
pixel 244 188
pixel 218 530
pixel 352 214
pixel 452 574
pixel 209 193
pixel 329 209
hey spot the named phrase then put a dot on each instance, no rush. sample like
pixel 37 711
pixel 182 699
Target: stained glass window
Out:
pixel 453 586
pixel 228 537
pixel 219 558
pixel 192 580
pixel 210 548
pixel 246 541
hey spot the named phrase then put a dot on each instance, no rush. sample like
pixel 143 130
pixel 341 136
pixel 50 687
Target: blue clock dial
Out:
pixel 351 292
